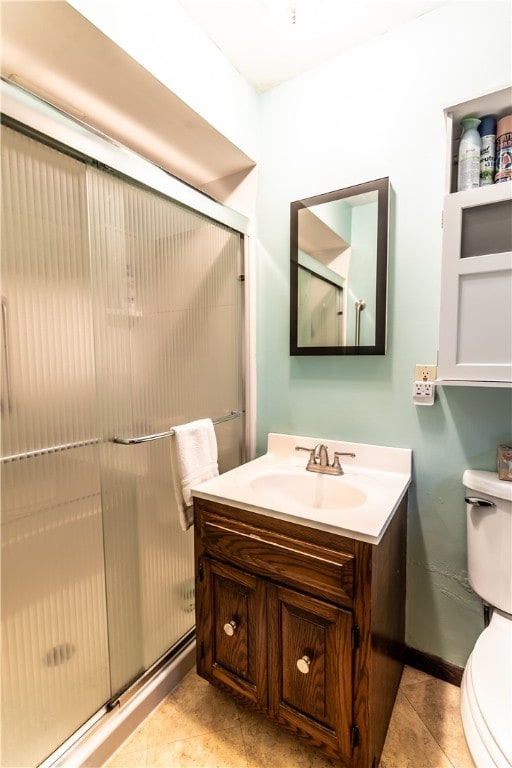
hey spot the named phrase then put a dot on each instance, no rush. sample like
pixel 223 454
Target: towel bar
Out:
pixel 95 441
pixel 169 433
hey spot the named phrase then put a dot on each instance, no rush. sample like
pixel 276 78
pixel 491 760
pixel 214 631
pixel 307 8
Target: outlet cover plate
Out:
pixel 425 372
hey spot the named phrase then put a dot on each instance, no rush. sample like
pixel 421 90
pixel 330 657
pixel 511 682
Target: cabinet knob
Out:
pixel 229 628
pixel 303 664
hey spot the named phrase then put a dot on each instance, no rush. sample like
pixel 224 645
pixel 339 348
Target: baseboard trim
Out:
pixel 433 665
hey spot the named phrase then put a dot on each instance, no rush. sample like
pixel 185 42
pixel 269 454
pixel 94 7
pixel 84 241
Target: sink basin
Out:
pixel 315 491
pixel 359 503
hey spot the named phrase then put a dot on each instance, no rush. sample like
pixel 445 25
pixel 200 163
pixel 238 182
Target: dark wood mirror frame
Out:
pixel 382 188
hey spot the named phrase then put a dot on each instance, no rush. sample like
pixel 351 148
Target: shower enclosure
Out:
pixel 121 317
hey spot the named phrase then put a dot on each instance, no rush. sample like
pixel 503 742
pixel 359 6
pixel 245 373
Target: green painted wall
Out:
pixel 378 111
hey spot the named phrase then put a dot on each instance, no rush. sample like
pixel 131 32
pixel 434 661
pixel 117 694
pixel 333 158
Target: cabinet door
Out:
pixel 310 667
pixel 475 342
pixel 231 630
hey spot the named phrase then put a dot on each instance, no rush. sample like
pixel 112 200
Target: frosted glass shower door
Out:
pixel 167 325
pixel 121 316
pixel 54 631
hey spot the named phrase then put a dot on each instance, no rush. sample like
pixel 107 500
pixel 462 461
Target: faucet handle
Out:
pixel 311 452
pixel 336 462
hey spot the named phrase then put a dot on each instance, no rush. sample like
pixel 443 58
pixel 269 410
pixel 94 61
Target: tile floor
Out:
pixel 197 726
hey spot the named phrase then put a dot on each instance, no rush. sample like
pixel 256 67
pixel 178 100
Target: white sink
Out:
pixel 308 489
pixel 359 504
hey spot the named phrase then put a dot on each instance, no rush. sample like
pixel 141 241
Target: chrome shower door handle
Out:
pixel 5 347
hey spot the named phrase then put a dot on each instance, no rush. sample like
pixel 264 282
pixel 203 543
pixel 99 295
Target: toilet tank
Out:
pixel 489 533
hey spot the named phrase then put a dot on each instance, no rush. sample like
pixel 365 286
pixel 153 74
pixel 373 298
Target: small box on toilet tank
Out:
pixel 505 462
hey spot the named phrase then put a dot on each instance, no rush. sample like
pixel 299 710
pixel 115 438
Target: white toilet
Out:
pixel 486 688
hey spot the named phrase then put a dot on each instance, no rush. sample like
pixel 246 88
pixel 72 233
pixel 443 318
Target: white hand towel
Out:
pixel 194 459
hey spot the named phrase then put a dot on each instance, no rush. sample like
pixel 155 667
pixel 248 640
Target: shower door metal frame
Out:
pixel 79 140
pixel 39 120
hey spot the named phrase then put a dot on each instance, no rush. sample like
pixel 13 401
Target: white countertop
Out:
pixel 377 478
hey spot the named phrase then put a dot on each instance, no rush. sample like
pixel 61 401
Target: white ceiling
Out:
pixel 268 46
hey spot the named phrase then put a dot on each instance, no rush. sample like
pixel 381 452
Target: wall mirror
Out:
pixel 338 278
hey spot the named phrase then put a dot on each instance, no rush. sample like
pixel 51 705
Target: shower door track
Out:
pixel 121 697
pixel 61 756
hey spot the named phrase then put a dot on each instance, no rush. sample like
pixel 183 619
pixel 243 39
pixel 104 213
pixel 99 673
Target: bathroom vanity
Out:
pixel 298 615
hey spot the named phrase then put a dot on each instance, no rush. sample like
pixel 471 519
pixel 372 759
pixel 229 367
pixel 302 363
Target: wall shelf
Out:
pixel 497 103
pixel 469 383
pixel 475 334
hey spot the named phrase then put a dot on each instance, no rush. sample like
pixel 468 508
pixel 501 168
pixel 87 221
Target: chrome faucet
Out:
pixel 319 460
pixel 321 455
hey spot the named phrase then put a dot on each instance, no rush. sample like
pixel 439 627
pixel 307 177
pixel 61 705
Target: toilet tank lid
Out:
pixel 487 482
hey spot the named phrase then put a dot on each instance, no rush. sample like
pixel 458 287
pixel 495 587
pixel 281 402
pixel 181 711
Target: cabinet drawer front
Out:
pixel 296 563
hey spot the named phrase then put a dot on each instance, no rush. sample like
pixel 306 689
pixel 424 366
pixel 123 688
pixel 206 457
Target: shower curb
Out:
pixel 102 739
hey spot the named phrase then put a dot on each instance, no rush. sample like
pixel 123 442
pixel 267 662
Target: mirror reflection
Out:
pixel 339 244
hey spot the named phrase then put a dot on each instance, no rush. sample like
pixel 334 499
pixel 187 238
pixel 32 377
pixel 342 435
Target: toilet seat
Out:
pixel 486 695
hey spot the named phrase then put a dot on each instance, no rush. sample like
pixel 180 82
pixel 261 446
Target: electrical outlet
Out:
pixel 423 392
pixel 425 373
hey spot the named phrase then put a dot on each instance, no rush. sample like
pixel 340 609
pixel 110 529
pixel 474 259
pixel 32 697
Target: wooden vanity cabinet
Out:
pixel 306 626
